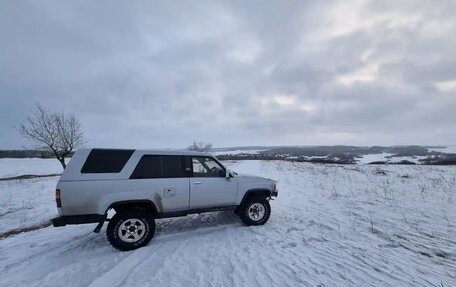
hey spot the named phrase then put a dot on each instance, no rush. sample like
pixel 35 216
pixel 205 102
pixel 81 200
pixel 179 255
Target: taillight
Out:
pixel 57 198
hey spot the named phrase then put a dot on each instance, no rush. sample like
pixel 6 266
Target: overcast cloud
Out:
pixel 162 74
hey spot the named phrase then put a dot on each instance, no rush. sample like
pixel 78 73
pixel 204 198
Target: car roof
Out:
pixel 157 151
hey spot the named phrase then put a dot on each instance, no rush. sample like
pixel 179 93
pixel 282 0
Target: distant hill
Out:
pixel 338 154
pixel 25 153
pixel 341 154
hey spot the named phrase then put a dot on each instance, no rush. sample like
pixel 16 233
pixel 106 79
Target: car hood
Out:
pixel 253 177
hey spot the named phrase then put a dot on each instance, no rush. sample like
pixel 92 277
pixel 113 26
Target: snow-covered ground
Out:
pixel 387 157
pixel 20 166
pixel 353 225
pixel 238 151
pixel 26 202
pixel 446 149
pixel 364 159
pixel 368 158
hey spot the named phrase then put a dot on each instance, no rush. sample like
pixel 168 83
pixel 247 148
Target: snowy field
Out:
pixel 19 166
pixel 353 225
pixel 238 151
pixel 446 149
pixel 386 157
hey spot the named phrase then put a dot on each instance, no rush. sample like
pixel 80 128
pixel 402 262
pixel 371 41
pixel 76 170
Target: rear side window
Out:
pixel 106 161
pixel 157 166
pixel 172 166
pixel 148 167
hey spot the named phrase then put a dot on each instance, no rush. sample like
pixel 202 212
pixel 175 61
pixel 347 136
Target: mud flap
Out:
pixel 100 224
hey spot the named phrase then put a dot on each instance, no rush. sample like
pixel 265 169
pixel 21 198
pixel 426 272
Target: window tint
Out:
pixel 157 166
pixel 106 161
pixel 172 166
pixel 148 167
pixel 207 167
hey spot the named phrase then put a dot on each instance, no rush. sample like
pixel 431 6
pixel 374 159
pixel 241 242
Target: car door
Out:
pixel 163 179
pixel 208 185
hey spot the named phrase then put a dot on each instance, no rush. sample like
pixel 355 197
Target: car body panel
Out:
pixel 83 193
pixel 212 191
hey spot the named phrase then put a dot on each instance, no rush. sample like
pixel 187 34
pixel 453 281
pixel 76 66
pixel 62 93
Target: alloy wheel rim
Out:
pixel 256 211
pixel 132 230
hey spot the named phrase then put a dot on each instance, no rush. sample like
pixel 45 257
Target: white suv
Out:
pixel 142 185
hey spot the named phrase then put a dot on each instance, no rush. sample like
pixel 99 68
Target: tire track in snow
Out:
pixel 16 231
pixel 122 270
pixel 55 251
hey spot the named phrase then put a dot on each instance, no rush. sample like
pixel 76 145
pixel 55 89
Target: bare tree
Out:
pixel 200 146
pixel 53 131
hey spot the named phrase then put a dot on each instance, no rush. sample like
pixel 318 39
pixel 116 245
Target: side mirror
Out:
pixel 227 173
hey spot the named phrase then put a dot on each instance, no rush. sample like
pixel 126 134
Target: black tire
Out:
pixel 246 208
pixel 137 219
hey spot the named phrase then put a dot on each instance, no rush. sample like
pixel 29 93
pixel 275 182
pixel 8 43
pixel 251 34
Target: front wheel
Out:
pixel 255 211
pixel 130 229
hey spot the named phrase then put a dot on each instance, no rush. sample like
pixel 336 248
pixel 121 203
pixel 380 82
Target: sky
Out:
pixel 162 74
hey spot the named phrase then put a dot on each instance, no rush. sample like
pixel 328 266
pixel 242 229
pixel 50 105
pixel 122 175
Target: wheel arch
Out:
pixel 254 193
pixel 146 204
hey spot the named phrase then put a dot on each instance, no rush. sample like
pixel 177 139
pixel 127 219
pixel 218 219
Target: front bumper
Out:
pixel 274 193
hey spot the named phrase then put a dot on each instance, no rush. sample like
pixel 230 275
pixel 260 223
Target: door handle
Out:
pixel 197 182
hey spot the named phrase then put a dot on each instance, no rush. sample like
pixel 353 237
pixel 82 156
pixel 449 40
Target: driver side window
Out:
pixel 207 167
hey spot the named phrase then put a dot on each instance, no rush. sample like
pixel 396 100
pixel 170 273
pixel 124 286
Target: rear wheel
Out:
pixel 255 211
pixel 130 229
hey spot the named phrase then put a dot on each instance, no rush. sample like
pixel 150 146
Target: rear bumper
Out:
pixel 58 221
pixel 76 219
